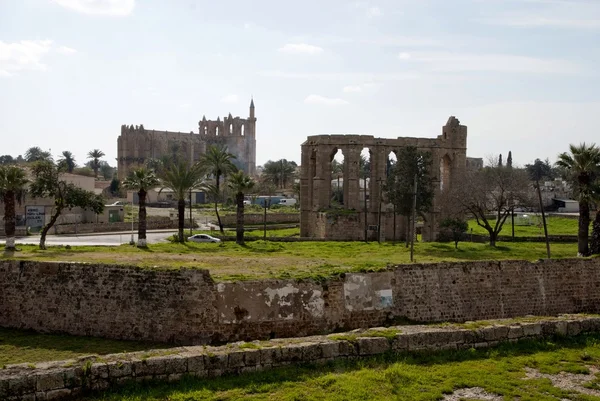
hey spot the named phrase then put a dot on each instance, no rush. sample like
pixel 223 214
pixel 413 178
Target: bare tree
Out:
pixel 490 195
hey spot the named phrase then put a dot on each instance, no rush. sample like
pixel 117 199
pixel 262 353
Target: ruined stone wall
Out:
pixel 256 218
pixel 73 378
pixel 186 306
pixel 449 162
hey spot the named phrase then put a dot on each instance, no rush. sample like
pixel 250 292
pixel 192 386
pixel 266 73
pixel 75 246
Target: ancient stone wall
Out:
pixel 449 158
pixel 76 377
pixel 186 306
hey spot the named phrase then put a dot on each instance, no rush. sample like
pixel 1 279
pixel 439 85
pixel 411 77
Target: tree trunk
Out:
pixel 493 238
pixel 239 226
pixel 48 226
pixel 142 220
pixel 595 242
pixel 407 231
pixel 217 178
pixel 9 220
pixel 219 218
pixel 583 248
pixel 181 218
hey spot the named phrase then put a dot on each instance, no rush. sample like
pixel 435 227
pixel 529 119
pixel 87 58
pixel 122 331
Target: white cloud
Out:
pixel 540 21
pixel 99 7
pixel 322 100
pixel 359 88
pixel 352 89
pixel 23 55
pixel 341 76
pixel 404 56
pixel 469 62
pixel 185 106
pixel 230 99
pixel 374 12
pixel 300 48
pixel 66 50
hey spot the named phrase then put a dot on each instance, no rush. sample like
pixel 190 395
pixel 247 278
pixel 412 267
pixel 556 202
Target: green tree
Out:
pixel 337 170
pixel 67 162
pixel 141 180
pixel 95 156
pixel 217 162
pixel 456 228
pixel 47 184
pixel 35 153
pixel 540 170
pixel 280 173
pixel 13 183
pixel 240 184
pixel 7 159
pixel 181 178
pixel 582 165
pixel 399 185
pixel 115 187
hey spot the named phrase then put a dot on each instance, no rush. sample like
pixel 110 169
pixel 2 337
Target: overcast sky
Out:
pixel 521 74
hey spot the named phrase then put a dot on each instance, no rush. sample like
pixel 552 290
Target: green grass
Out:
pixel 20 346
pixel 256 232
pixel 556 226
pixel 260 259
pixel 423 376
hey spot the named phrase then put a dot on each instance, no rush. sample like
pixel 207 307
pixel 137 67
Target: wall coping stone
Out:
pixel 66 379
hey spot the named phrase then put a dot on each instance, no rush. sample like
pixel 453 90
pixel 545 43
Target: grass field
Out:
pixel 513 371
pixel 260 259
pixel 532 227
pixel 20 346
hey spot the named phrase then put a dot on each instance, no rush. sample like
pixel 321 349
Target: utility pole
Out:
pixel 537 184
pixel 365 209
pixel 414 223
pixel 379 214
pixel 191 218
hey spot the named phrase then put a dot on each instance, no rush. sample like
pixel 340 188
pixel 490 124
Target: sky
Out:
pixel 521 74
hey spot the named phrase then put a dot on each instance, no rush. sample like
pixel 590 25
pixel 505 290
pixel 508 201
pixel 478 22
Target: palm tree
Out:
pixel 67 161
pixel 279 172
pixel 141 180
pixel 337 169
pixel 180 178
pixel 35 154
pixel 240 183
pixel 217 162
pixel 12 188
pixel 95 156
pixel 583 166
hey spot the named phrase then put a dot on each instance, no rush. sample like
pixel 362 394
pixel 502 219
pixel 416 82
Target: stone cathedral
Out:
pixel 136 144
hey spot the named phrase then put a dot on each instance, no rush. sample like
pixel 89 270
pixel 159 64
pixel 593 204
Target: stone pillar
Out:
pixel 305 192
pixel 351 177
pixel 322 188
pixel 378 162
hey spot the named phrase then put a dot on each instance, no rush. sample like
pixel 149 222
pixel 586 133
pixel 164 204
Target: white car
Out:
pixel 203 238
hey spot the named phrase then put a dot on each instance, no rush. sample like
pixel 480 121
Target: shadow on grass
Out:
pixel 270 380
pixel 30 346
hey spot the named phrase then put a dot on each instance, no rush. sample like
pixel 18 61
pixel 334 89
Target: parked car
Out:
pixel 118 203
pixel 247 202
pixel 287 202
pixel 203 238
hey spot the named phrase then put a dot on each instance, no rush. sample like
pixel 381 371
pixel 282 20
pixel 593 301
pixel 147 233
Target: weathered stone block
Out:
pixel 21 385
pixel 252 357
pixel 175 364
pixel 573 327
pixel 515 332
pixel 58 394
pixel 532 329
pixel 196 364
pixel 400 343
pixel 99 370
pixel 73 377
pixel 373 345
pixel 311 352
pixel 119 369
pixel 235 360
pixel 347 348
pixel 494 333
pixel 216 362
pixel 291 353
pixel 561 328
pixel 49 381
pixel 330 349
pixel 270 355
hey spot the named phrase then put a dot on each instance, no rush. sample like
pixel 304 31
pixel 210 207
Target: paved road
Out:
pixel 109 239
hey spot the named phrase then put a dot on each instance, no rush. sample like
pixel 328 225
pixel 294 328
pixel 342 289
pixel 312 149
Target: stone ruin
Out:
pixel 136 144
pixel 319 220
